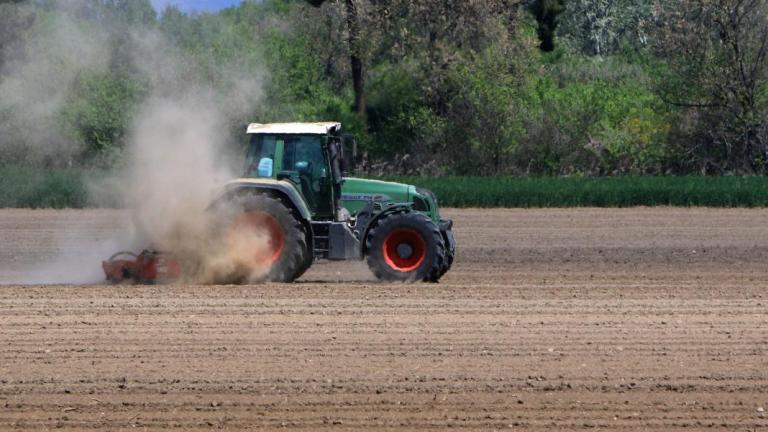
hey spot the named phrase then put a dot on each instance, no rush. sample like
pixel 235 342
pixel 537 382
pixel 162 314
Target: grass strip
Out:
pixel 31 187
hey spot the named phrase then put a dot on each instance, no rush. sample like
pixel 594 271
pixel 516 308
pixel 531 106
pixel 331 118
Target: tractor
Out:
pixel 295 198
pixel 295 188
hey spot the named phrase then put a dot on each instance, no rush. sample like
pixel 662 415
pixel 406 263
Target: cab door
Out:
pixel 304 162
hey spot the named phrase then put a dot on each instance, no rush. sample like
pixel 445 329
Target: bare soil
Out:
pixel 632 319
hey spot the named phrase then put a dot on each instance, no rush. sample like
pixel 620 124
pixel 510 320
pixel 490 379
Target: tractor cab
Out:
pixel 308 155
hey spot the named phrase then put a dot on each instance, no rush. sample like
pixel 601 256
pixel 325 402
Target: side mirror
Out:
pixel 337 161
pixel 349 153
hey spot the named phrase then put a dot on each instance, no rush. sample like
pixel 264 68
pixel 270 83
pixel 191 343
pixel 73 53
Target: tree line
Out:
pixel 487 87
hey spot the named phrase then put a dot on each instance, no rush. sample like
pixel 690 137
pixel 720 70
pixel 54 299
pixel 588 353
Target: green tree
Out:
pixel 99 111
pixel 716 54
pixel 13 21
pixel 130 12
pixel 355 58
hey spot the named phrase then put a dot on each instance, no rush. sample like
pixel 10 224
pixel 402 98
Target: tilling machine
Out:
pixel 148 267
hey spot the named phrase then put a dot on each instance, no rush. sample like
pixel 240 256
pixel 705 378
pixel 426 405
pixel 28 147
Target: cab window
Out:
pixel 304 153
pixel 260 161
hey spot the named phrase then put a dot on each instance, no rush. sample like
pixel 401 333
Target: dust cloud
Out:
pixel 179 152
pixel 34 86
pixel 175 172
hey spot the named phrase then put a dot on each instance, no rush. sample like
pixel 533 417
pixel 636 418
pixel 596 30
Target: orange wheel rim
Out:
pixel 404 250
pixel 262 226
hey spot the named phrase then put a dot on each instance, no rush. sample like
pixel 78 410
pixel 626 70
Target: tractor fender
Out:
pixel 280 189
pixel 376 217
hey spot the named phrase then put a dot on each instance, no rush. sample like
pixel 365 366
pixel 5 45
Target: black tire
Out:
pixel 283 264
pixel 308 260
pixel 448 262
pixel 422 257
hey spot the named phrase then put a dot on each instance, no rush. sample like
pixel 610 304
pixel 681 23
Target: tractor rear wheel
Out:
pixel 265 240
pixel 406 247
pixel 308 261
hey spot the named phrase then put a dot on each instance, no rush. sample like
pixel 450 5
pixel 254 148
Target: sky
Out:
pixel 195 5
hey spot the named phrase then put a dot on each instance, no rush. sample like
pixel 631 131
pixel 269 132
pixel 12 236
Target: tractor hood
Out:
pixel 364 190
pixel 357 192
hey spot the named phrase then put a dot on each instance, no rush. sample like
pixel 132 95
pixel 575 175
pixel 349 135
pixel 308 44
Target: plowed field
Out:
pixel 633 319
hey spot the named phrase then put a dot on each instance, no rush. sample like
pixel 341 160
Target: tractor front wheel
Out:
pixel 406 247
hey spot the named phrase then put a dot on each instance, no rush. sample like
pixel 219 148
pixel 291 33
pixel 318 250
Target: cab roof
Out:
pixel 322 128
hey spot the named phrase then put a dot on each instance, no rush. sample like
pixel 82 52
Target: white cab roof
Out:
pixel 294 128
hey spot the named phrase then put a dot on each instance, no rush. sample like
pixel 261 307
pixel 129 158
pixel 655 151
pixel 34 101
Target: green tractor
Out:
pixel 295 190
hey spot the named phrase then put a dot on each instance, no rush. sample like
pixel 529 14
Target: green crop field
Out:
pixel 596 191
pixel 40 188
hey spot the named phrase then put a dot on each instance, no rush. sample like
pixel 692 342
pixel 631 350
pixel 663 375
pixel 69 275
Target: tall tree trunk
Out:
pixel 358 80
pixel 546 13
pixel 355 58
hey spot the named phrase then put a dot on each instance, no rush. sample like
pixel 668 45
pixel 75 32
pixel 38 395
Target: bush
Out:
pixel 595 117
pixel 28 187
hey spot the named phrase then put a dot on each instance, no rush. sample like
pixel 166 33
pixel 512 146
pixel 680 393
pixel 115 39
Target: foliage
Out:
pixel 13 21
pixel 485 110
pixel 717 57
pixel 487 87
pixel 596 117
pixel 42 188
pixel 603 27
pixel 99 113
